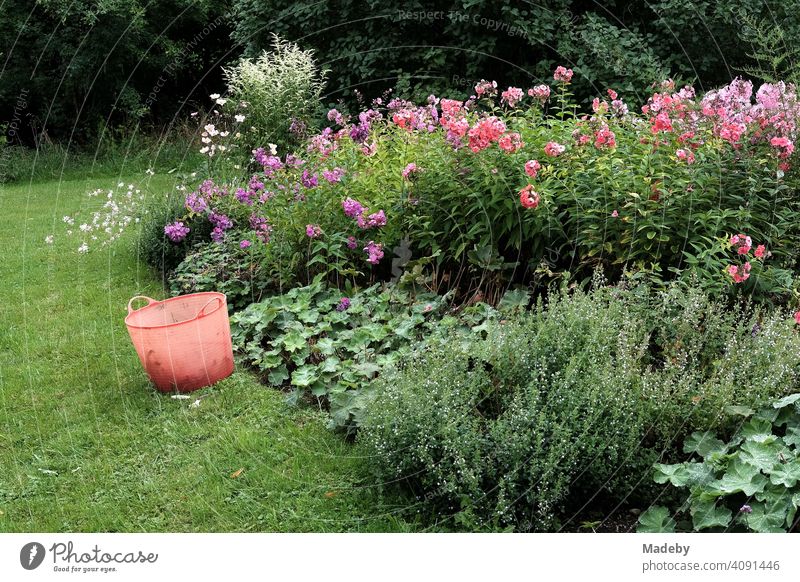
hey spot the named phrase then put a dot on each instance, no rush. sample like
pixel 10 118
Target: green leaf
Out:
pixel 707 514
pixel 791 399
pixel 308 316
pixel 325 346
pixel 657 519
pixel 294 341
pixel 786 474
pixel 278 376
pixel 756 426
pixel 304 376
pixel 792 437
pixel 763 455
pixel 704 444
pixel 766 518
pixel 330 365
pixel 741 477
pixel 368 369
pixel 740 410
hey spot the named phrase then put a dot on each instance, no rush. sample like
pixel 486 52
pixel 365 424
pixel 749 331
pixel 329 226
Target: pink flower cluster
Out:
pixel 528 197
pixel 485 132
pixel 540 92
pixel 554 149
pixel 532 168
pixel 486 88
pixel 409 169
pixel 605 138
pixel 510 142
pixel 562 75
pixel 743 244
pixel 511 96
pixel 374 251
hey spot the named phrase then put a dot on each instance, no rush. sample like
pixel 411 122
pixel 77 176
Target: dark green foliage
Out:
pixel 85 64
pixel 424 47
pixel 224 267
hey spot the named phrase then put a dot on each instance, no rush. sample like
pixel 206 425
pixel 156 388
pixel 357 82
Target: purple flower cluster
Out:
pixel 221 224
pixel 336 117
pixel 374 220
pixel 262 227
pixel 375 252
pixel 352 208
pixel 359 133
pixel 334 175
pixel 176 231
pixel 313 230
pixel 244 196
pixel 270 163
pixel 351 242
pixel 309 180
pixel 196 203
pixel 344 304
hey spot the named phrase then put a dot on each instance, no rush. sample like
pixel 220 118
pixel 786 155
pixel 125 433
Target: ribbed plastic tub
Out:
pixel 184 343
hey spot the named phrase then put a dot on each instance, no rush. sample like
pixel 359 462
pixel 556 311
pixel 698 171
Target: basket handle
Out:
pixel 130 303
pixel 202 312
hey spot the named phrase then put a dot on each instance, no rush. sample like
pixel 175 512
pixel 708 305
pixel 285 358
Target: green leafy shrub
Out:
pixel 521 428
pixel 224 267
pixel 571 403
pixel 750 483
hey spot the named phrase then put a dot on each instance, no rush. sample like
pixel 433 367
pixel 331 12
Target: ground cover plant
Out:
pixel 748 483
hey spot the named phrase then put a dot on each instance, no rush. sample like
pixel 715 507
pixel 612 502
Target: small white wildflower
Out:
pixel 214 96
pixel 239 118
pixel 69 220
pixel 149 171
pixel 273 149
pixel 49 239
pixel 121 185
pixel 83 249
pixel 85 227
pixel 222 101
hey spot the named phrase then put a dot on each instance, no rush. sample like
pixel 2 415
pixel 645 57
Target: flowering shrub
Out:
pixel 518 188
pixel 281 90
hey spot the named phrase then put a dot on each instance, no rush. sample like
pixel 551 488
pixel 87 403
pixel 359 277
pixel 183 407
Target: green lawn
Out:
pixel 87 445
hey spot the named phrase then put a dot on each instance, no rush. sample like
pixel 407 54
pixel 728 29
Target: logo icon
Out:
pixel 31 555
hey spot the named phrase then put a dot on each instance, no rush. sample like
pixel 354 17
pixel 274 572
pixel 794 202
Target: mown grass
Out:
pixel 87 445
